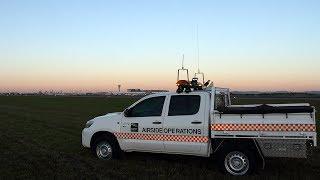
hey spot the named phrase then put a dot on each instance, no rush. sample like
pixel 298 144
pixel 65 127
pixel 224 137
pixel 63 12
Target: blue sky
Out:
pixel 94 45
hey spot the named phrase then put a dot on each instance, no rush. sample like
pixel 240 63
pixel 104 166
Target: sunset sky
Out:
pixel 94 45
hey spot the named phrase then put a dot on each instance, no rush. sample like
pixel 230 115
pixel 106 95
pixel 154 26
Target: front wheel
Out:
pixel 105 148
pixel 237 162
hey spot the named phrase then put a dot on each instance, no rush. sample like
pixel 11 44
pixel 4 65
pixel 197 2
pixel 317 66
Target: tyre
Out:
pixel 237 162
pixel 105 148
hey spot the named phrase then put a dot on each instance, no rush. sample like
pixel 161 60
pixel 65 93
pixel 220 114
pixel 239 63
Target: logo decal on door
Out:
pixel 134 127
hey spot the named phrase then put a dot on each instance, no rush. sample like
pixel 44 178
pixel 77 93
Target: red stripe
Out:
pixel 263 127
pixel 162 137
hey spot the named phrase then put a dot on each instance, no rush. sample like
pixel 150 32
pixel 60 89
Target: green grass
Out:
pixel 40 137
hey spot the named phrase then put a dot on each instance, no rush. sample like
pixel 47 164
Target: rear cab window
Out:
pixel 184 105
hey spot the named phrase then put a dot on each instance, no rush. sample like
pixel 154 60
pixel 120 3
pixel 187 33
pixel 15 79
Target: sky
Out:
pixel 75 45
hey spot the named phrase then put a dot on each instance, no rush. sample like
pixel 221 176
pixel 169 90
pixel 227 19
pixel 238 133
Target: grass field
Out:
pixel 40 137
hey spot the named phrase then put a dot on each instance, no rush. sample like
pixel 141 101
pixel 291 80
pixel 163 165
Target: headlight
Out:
pixel 89 123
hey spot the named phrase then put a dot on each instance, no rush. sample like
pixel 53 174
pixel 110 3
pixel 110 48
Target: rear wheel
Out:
pixel 237 162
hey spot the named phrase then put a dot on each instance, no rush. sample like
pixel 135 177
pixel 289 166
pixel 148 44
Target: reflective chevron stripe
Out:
pixel 263 127
pixel 162 137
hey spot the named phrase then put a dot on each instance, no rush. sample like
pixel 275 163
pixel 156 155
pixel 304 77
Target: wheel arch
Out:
pixel 101 134
pixel 222 144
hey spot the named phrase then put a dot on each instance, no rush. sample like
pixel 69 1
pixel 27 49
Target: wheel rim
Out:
pixel 104 150
pixel 236 163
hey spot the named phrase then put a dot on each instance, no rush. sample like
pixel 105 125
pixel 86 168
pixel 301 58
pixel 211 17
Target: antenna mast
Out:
pixel 183 69
pixel 198 53
pixel 198 49
pixel 182 61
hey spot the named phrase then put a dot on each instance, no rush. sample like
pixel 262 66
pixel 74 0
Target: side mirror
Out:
pixel 126 112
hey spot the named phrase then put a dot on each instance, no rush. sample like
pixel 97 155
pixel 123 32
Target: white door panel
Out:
pixel 143 125
pixel 186 127
pixel 138 126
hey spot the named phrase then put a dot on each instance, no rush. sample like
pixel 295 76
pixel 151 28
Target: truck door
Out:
pixel 184 124
pixel 141 127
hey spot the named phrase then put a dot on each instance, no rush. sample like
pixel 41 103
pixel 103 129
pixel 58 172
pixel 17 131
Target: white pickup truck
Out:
pixel 204 123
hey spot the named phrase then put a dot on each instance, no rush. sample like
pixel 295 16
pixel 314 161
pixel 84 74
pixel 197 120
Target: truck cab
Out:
pixel 170 123
pixel 165 122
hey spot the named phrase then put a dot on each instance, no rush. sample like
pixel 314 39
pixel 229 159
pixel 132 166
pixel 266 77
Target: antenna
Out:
pixel 198 49
pixel 198 53
pixel 182 61
pixel 183 69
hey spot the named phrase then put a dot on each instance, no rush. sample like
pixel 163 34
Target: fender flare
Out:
pixel 101 133
pixel 220 143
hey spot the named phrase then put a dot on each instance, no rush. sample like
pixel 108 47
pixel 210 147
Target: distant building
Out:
pixel 155 90
pixel 147 91
pixel 134 90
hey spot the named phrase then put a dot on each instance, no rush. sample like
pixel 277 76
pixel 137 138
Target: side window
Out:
pixel 148 107
pixel 184 105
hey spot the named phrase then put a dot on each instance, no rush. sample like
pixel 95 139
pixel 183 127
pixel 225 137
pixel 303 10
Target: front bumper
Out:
pixel 86 137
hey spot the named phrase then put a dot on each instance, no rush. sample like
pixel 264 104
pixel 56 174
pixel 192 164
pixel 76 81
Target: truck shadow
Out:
pixel 172 159
pixel 278 167
pixel 166 157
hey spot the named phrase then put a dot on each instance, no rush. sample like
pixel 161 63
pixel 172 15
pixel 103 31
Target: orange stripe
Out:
pixel 162 137
pixel 263 127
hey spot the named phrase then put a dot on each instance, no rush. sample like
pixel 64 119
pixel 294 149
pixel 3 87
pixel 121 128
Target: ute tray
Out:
pixel 265 109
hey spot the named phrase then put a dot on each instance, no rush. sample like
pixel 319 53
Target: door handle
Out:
pixel 156 122
pixel 196 122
